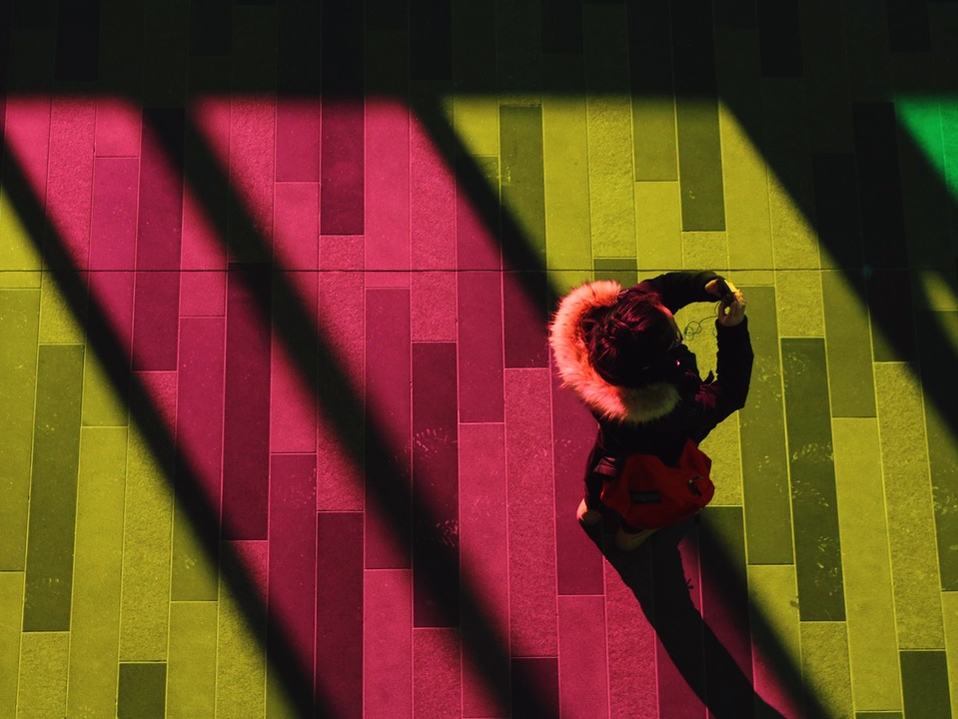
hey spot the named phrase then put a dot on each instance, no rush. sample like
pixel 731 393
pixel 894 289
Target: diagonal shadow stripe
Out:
pixel 488 652
pixel 187 489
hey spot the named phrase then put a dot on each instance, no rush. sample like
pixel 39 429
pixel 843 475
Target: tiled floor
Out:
pixel 280 432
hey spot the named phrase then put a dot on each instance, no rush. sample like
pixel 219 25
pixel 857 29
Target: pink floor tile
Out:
pixel 27 132
pixel 578 563
pixel 113 229
pixel 477 247
pixel 341 211
pixel 432 306
pixel 484 557
pixel 535 683
pixel 532 571
pixel 583 671
pixel 298 139
pixel 387 643
pixel 339 612
pixel 435 479
pixel 70 175
pixel 203 259
pixel 525 334
pixel 118 128
pixel 432 200
pixel 292 553
pixel 246 419
pixel 480 346
pixel 292 414
pixel 386 226
pixel 199 418
pixel 296 229
pixel 251 159
pixel 436 674
pixel 388 410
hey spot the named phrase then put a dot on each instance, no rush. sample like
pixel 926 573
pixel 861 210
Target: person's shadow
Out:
pixel 655 574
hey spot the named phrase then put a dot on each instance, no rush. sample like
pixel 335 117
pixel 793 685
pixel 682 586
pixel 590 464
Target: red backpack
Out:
pixel 648 494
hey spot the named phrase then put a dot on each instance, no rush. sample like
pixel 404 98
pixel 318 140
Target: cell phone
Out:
pixel 725 294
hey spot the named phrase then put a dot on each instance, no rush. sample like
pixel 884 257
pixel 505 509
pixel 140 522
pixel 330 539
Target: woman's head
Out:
pixel 629 343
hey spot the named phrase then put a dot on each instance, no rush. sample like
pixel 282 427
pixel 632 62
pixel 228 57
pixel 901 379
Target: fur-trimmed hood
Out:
pixel 568 342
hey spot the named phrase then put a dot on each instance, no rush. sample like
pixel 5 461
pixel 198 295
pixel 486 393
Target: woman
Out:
pixel 621 352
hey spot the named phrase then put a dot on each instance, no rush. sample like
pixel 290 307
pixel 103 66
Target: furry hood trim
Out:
pixel 571 352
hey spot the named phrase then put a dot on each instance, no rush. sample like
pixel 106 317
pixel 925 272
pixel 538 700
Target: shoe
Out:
pixel 630 541
pixel 587 517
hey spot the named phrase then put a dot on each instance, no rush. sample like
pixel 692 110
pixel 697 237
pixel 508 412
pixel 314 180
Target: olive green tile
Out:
pixel 142 691
pixel 745 178
pixel 611 190
pixel 194 573
pixel 878 715
pixel 476 121
pixel 768 519
pixel 847 345
pixel 101 405
pixel 872 642
pixel 723 445
pixel 564 282
pixel 11 610
pixel 774 623
pixel 95 626
pixel 825 672
pixel 620 269
pixel 799 294
pixel 241 662
pixel 44 657
pixel 908 506
pixel 53 489
pixel 705 250
pixel 19 321
pixel 165 52
pixel 658 226
pixel 58 325
pixel 521 177
pixel 20 262
pixel 654 144
pixel 924 680
pixel 700 164
pixel 565 152
pixel 145 596
pixel 949 605
pixel 936 291
pixel 191 670
pixel 941 416
pixel 811 469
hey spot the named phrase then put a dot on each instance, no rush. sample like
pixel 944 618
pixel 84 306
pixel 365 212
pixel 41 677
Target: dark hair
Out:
pixel 629 342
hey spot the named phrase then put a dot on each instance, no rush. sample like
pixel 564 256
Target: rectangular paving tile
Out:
pixel 339 611
pixel 19 322
pixel 292 570
pixel 191 669
pixel 658 226
pixel 44 661
pixel 298 140
pixel 532 573
pixel 70 173
pixel 20 261
pixel 388 419
pixel 764 457
pixel 165 53
pixel 621 269
pixel 522 181
pixel 535 686
pixel 561 26
pixel 210 28
pixel 480 347
pixel 525 306
pixel 387 228
pixel 776 648
pixel 485 562
pixel 908 507
pixel 891 310
pixel 159 232
pixel 11 621
pixel 473 56
pixel 872 643
pixel 53 489
pixel 142 690
pixel 583 671
pixel 811 469
pixel 924 680
pixel 387 643
pixel 518 46
pixel 246 412
pixel 95 625
pixel 478 245
pixel 78 41
pixel 825 670
pixel 342 168
pixel 578 563
pixel 847 346
pixel 437 680
pixel 430 40
pixel 565 183
pixel 823 65
pixel 778 28
pixel 940 421
pixel 949 605
pixel 435 482
pixel 433 204
pixel 251 166
pixel 879 183
pixel 653 105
